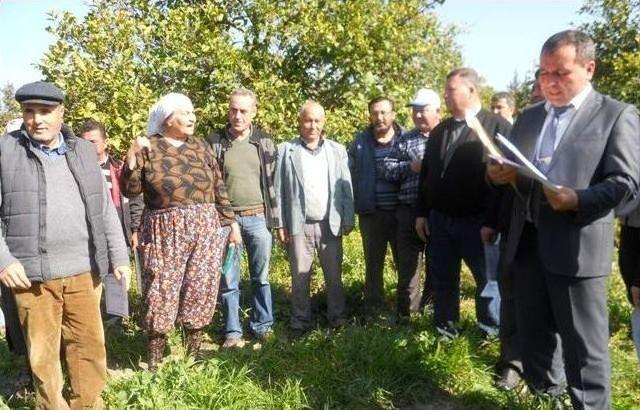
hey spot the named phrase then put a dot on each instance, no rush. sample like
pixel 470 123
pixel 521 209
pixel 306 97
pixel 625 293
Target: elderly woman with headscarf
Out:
pixel 186 203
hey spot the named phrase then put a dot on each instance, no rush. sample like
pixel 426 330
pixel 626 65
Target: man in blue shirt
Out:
pixel 376 198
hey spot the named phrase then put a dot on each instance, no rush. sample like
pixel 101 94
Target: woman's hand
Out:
pixel 138 146
pixel 234 235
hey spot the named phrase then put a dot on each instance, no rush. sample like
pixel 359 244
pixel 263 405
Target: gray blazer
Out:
pixel 290 189
pixel 599 157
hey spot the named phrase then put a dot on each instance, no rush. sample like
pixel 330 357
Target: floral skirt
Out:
pixel 182 250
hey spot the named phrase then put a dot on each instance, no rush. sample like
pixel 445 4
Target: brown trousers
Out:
pixel 66 309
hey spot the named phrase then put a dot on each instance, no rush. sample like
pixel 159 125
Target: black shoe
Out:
pixel 508 380
pixel 295 333
pixel 447 331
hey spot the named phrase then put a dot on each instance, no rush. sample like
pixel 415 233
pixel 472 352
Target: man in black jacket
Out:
pixel 454 200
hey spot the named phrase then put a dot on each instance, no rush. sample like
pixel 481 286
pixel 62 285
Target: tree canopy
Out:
pixel 124 54
pixel 616 33
pixel 9 107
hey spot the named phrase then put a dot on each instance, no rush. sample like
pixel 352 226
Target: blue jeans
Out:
pixel 257 241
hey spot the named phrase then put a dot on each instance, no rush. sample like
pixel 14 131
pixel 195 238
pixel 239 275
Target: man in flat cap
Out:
pixel 61 234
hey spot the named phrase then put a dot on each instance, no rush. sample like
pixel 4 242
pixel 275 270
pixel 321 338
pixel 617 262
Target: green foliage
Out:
pixel 123 55
pixel 380 364
pixel 9 107
pixel 521 90
pixel 615 31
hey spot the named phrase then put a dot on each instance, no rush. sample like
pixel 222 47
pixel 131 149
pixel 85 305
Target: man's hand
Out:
pixel 234 235
pixel 134 241
pixel 123 274
pixel 346 229
pixel 488 234
pixel 566 199
pixel 416 166
pixel 422 228
pixel 501 174
pixel 635 295
pixel 13 276
pixel 283 235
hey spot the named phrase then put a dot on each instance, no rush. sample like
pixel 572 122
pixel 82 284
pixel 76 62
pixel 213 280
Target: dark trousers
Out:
pixel 574 307
pixel 509 343
pixel 410 261
pixel 377 229
pixel 629 256
pixel 510 355
pixel 454 239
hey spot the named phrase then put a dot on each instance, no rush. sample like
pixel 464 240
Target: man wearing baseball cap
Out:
pixel 61 234
pixel 403 166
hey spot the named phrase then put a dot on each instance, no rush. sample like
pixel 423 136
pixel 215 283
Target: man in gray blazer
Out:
pixel 313 186
pixel 561 240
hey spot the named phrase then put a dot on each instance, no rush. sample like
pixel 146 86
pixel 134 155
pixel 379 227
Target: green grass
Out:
pixel 377 365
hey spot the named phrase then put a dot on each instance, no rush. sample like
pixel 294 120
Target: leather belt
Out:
pixel 250 212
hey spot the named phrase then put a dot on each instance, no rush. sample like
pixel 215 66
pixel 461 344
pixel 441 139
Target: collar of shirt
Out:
pixel 59 149
pixel 576 101
pixel 565 119
pixel 415 132
pixel 232 137
pixel 105 162
pixel 473 110
pixel 313 150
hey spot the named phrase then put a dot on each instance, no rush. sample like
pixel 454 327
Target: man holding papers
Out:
pixel 454 199
pixel 561 240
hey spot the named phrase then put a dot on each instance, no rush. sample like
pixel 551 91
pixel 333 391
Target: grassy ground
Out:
pixel 379 364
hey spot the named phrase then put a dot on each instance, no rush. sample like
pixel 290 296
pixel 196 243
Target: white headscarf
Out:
pixel 162 109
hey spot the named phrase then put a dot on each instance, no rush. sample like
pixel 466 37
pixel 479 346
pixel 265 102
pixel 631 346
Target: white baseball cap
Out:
pixel 425 97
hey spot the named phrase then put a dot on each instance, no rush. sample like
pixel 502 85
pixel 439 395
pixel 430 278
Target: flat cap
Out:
pixel 40 92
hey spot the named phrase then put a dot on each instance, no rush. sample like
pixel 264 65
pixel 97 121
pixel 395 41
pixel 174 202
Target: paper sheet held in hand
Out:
pixel 116 297
pixel 524 166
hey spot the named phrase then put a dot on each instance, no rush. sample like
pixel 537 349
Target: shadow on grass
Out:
pixel 376 365
pixel 13 379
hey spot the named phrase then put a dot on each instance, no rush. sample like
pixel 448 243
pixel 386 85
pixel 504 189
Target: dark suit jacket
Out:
pixel 599 157
pixel 458 187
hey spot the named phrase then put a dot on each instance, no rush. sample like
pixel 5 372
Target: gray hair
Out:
pixel 309 104
pixel 244 92
pixel 468 74
pixel 585 48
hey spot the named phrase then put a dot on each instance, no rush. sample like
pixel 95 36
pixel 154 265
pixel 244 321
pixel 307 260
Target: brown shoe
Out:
pixel 156 347
pixel 233 343
pixel 192 341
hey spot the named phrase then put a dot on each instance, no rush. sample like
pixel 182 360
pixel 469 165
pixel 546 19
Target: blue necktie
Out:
pixel 547 147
